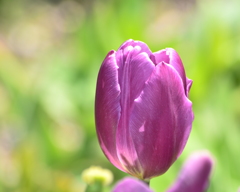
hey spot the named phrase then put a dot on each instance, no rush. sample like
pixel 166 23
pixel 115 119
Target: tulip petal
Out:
pixel 189 85
pixel 175 61
pixel 160 56
pixel 130 42
pixel 131 185
pixel 161 120
pixel 132 77
pixel 141 69
pixel 107 107
pixel 194 175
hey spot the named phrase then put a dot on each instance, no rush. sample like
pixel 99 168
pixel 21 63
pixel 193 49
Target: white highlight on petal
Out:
pixel 128 49
pixel 142 128
pixel 103 84
pixel 137 48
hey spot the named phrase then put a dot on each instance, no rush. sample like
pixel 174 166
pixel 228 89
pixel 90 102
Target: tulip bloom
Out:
pixel 142 111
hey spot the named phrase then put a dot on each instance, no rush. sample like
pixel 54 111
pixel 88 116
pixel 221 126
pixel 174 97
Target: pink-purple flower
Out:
pixel 195 173
pixel 142 111
pixel 131 185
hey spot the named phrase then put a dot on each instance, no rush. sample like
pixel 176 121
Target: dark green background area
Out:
pixel 50 54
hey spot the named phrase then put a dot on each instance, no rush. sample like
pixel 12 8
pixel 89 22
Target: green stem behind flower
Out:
pixel 147 182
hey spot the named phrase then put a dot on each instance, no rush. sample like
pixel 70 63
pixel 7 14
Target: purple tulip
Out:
pixel 142 111
pixel 194 175
pixel 131 185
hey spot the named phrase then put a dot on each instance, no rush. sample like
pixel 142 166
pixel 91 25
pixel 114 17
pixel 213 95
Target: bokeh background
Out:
pixel 50 54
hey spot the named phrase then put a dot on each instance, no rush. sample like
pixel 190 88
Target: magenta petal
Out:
pixel 131 185
pixel 161 120
pixel 132 77
pixel 194 175
pixel 161 56
pixel 175 61
pixel 130 42
pixel 107 107
pixel 141 69
pixel 189 85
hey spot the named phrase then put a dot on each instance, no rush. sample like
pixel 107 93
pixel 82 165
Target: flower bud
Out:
pixel 142 111
pixel 195 173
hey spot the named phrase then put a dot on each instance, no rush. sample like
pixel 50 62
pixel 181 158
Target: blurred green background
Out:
pixel 50 54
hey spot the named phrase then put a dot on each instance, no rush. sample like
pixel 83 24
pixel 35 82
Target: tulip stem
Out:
pixel 147 182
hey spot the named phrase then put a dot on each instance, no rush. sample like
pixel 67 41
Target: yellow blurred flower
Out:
pixel 97 174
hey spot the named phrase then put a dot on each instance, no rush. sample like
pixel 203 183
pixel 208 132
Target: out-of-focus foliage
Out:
pixel 50 53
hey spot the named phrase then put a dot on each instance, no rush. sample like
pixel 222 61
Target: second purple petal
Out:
pixel 195 173
pixel 131 185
